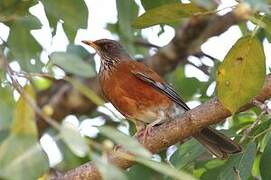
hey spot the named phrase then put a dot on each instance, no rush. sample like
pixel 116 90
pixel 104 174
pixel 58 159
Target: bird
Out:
pixel 145 98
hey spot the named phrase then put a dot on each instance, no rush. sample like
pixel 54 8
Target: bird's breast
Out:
pixel 131 96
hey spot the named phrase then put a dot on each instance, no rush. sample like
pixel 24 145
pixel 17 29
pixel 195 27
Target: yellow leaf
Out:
pixel 242 73
pixel 24 122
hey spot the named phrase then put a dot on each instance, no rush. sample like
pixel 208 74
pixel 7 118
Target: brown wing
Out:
pixel 162 87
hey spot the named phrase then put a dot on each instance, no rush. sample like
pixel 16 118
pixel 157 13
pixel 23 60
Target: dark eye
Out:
pixel 108 46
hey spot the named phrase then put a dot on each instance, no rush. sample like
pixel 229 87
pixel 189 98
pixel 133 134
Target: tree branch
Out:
pixel 170 133
pixel 187 41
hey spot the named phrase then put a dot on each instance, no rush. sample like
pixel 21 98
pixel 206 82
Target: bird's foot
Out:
pixel 140 129
pixel 140 133
pixel 143 133
pixel 149 128
pixel 116 147
pixel 147 132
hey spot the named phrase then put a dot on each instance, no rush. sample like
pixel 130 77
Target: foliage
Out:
pixel 68 12
pixel 20 152
pixel 75 66
pixel 166 14
pixel 238 78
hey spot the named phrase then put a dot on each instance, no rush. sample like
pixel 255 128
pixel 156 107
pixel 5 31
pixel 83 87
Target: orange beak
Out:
pixel 91 43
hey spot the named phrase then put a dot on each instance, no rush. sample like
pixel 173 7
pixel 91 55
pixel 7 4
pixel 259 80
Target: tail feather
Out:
pixel 217 143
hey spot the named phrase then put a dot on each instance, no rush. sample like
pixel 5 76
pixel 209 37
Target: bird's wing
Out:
pixel 164 88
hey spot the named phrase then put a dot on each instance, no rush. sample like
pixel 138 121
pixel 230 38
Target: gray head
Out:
pixel 110 51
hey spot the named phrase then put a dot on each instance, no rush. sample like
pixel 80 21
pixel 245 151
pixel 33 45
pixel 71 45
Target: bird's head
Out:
pixel 110 51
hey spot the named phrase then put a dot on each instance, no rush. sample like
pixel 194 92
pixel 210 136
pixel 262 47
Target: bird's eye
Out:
pixel 108 46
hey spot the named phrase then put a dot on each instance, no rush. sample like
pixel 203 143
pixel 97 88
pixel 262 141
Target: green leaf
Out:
pixel 6 107
pixel 129 143
pixel 243 119
pixel 82 53
pixel 22 44
pixel 265 162
pixel 13 9
pixel 241 74
pixel 70 160
pixel 127 12
pixel 78 50
pixel 166 14
pixel 72 63
pixel 149 4
pixel 186 153
pixel 41 83
pixel 256 166
pixel 263 21
pixel 265 138
pixel 261 129
pixel 208 4
pixel 74 13
pixel 164 169
pixel 108 170
pixel 3 135
pixel 21 156
pixel 243 162
pixel 209 169
pixel 72 137
pixel 139 171
pixel 244 29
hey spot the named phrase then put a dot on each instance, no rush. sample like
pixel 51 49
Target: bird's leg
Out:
pixel 149 127
pixel 140 128
pixel 161 118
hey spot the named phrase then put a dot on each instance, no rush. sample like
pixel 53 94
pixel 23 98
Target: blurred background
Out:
pixel 41 41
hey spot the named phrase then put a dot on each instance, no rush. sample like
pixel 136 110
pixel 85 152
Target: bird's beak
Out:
pixel 91 43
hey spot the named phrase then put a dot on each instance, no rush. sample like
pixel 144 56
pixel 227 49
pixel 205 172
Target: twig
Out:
pixel 146 44
pixel 262 106
pixel 253 125
pixel 261 133
pixel 200 54
pixel 265 110
pixel 236 173
pixel 203 68
pixel 21 91
pixel 62 91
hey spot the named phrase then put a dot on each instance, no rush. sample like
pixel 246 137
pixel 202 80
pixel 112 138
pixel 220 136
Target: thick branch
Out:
pixel 171 132
pixel 64 99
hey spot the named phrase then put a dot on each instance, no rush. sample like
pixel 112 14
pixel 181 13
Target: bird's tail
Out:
pixel 217 143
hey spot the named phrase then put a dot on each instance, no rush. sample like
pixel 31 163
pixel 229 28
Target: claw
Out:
pixel 144 132
pixel 140 127
pixel 116 147
pixel 140 133
pixel 149 128
pixel 147 131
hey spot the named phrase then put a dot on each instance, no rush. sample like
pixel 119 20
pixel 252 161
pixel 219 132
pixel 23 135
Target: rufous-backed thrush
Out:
pixel 142 96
